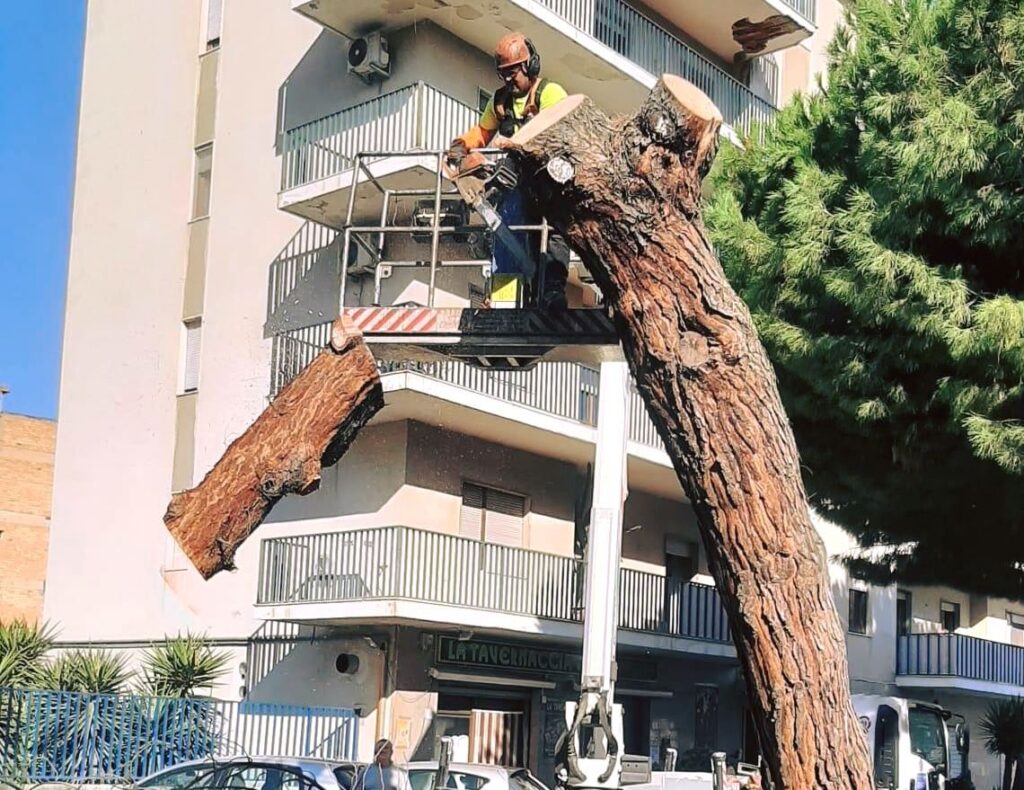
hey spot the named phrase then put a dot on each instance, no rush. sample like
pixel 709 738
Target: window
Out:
pixel 903 612
pixel 201 185
pixel 193 339
pixel 261 777
pixel 680 559
pixel 426 779
pixel 523 780
pixel 193 776
pixel 950 616
pixel 1016 621
pixel 482 98
pixel 491 515
pixel 858 611
pixel 928 737
pixel 214 10
pixel 887 749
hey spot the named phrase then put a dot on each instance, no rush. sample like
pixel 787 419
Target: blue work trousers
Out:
pixel 514 210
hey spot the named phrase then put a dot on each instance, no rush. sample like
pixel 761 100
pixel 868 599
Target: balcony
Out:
pixel 956 661
pixel 403 574
pixel 317 174
pixel 607 49
pixel 563 390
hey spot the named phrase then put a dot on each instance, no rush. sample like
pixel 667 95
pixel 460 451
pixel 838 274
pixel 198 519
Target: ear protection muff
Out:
pixel 533 64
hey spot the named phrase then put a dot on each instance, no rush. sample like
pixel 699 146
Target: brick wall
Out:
pixel 26 486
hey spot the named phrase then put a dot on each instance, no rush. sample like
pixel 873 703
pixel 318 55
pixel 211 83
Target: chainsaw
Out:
pixel 478 182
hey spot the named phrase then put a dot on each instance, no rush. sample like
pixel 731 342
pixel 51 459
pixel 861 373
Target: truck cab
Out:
pixel 914 745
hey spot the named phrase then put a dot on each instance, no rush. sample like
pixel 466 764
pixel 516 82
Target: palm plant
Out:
pixel 1003 729
pixel 22 647
pixel 180 666
pixel 86 672
pixel 74 727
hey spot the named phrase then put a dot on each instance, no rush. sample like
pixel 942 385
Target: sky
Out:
pixel 40 69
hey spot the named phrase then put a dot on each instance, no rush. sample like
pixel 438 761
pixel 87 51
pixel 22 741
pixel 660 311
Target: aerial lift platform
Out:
pixel 432 243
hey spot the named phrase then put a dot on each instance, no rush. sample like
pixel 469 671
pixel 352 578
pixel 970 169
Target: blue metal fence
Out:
pixel 61 736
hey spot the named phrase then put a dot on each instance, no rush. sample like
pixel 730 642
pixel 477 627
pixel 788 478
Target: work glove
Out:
pixel 456 153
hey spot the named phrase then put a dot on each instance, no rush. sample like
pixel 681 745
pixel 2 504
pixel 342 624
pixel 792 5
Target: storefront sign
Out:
pixel 485 655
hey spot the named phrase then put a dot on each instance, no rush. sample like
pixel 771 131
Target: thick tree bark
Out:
pixel 309 425
pixel 626 194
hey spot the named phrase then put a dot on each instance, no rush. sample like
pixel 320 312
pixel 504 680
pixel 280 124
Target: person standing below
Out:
pixel 523 94
pixel 382 774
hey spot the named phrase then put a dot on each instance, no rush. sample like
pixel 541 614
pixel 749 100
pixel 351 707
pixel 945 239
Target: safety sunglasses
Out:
pixel 509 72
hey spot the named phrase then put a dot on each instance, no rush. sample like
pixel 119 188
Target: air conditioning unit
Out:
pixel 368 57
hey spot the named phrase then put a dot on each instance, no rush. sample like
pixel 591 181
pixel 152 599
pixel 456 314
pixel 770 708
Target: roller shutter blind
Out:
pixel 491 515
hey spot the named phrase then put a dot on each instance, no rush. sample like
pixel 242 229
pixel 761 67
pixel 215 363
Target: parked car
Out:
pixel 255 773
pixel 301 773
pixel 473 776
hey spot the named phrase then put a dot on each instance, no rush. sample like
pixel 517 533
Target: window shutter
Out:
pixel 193 336
pixel 503 518
pixel 472 515
pixel 213 15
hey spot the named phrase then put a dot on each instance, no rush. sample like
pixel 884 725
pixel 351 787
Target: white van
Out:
pixel 914 745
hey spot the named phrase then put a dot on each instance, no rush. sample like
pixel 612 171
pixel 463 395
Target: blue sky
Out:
pixel 40 68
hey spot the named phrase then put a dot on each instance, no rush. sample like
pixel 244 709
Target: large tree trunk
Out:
pixel 309 425
pixel 626 194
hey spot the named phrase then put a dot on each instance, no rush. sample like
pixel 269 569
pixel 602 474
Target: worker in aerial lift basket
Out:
pixel 522 95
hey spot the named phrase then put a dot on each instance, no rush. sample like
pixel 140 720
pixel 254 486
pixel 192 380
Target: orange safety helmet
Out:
pixel 512 50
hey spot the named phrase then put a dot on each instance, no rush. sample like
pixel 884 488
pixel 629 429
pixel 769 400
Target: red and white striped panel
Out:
pixel 393 320
pixel 497 737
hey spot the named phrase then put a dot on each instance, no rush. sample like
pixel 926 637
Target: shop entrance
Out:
pixel 486 726
pixel 636 724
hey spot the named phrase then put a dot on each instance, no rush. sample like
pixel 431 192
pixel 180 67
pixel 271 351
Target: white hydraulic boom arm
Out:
pixel 592 748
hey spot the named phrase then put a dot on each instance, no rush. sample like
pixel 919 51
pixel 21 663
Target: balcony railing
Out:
pixel 960 656
pixel 412 118
pixel 562 389
pixel 388 563
pixel 625 30
pixel 808 9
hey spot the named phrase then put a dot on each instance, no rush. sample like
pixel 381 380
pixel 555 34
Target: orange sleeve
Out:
pixel 477 137
pixel 481 134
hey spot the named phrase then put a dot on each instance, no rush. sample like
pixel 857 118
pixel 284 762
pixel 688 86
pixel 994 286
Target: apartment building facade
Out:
pixel 433 582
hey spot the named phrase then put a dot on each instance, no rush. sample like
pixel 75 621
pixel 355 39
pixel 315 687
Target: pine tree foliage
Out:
pixel 877 236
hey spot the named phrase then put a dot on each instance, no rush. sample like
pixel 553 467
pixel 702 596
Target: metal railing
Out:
pixel 808 9
pixel 412 118
pixel 562 389
pixel 68 737
pixel 640 429
pixel 310 243
pixel 960 656
pixel 293 351
pixel 433 567
pixel 625 30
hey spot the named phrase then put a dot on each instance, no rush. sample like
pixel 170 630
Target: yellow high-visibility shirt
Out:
pixel 551 94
